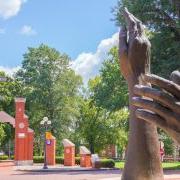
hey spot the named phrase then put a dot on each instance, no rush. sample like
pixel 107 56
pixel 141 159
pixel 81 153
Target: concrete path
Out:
pixel 10 172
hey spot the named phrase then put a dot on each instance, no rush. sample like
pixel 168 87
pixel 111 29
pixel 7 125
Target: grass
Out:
pixel 166 165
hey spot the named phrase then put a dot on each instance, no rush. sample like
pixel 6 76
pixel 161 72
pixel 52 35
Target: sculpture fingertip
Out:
pixel 147 77
pixel 126 10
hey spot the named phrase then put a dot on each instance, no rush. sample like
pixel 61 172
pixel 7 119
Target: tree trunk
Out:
pixel 92 148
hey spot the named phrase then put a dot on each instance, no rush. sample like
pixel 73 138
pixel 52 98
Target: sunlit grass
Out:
pixel 166 165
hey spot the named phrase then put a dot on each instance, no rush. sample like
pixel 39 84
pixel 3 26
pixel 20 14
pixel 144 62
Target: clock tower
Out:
pixel 24 136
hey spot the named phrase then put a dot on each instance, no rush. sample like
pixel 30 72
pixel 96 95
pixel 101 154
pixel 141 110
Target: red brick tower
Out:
pixel 24 136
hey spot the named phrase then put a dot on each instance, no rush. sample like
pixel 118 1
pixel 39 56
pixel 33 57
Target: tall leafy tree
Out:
pixel 108 94
pixel 110 89
pixel 51 88
pixel 99 128
pixel 9 89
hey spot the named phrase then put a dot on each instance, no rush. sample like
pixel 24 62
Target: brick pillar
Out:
pixel 85 157
pixel 51 151
pixel 69 153
pixel 21 134
pixel 30 144
pixel 20 130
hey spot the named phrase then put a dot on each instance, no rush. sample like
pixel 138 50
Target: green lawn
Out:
pixel 166 165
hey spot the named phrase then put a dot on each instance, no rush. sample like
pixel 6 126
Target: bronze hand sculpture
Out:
pixel 160 106
pixel 143 156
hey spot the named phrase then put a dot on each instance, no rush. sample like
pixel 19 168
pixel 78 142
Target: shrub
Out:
pixel 107 163
pixel 12 156
pixel 38 159
pixel 77 160
pixel 59 160
pixel 3 157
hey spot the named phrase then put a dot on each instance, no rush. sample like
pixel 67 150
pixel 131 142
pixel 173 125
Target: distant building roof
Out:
pixel 6 118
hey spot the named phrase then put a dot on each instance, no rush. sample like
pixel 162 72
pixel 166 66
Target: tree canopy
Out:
pixel 51 88
pixel 109 88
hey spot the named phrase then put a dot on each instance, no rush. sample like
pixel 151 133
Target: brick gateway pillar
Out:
pixel 50 149
pixel 85 157
pixel 69 153
pixel 24 136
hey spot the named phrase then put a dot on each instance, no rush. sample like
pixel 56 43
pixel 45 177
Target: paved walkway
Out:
pixel 8 172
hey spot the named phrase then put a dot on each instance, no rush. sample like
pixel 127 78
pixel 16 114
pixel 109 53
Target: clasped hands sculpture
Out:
pixel 149 107
pixel 159 106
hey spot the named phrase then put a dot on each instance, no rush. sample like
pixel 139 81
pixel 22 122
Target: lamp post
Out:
pixel 45 123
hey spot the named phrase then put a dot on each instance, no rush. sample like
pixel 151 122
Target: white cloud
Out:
pixel 10 8
pixel 27 30
pixel 88 64
pixel 9 71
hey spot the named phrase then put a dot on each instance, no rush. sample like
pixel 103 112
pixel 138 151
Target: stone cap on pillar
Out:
pixel 30 130
pixel 25 116
pixel 67 143
pixel 84 150
pixel 20 99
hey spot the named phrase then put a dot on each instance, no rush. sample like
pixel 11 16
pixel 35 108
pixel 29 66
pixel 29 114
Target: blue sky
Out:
pixel 80 28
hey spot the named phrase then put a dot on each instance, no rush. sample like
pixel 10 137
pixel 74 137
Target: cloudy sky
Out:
pixel 80 28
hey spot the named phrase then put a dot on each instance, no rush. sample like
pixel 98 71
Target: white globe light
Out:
pixel 45 119
pixel 42 122
pixel 49 122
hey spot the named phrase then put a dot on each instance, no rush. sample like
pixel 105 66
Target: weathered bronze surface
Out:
pixel 161 105
pixel 143 156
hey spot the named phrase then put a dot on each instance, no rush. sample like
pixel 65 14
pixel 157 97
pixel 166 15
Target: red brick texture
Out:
pixel 69 156
pixel 23 134
pixel 51 151
pixel 85 160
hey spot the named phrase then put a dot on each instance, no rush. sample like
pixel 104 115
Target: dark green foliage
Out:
pixel 77 160
pixel 38 159
pixel 107 163
pixel 168 142
pixel 9 89
pixel 59 160
pixel 3 157
pixel 110 88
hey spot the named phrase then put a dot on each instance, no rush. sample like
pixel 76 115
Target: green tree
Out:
pixel 110 89
pixel 108 95
pixel 2 134
pixel 97 127
pixel 8 91
pixel 51 88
